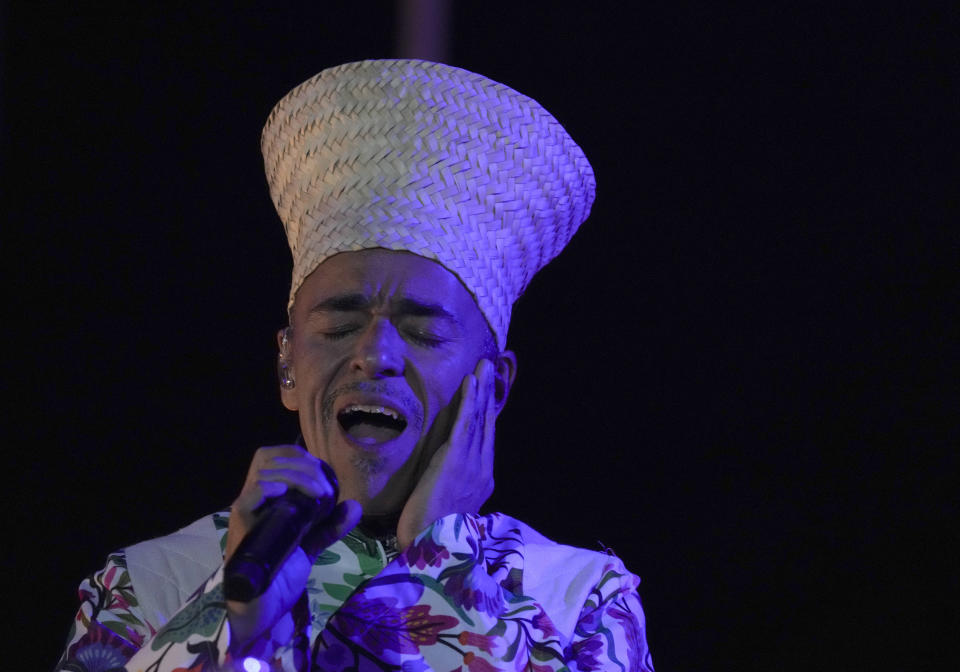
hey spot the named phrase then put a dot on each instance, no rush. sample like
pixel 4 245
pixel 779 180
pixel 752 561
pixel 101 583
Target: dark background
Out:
pixel 741 375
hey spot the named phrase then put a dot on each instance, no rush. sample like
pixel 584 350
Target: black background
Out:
pixel 741 375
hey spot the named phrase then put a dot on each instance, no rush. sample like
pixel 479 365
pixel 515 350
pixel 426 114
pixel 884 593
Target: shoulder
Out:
pixel 548 562
pixel 166 570
pixel 563 579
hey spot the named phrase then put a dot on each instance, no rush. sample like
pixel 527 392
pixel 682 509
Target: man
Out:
pixel 418 201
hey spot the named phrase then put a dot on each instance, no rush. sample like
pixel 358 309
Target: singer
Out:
pixel 418 201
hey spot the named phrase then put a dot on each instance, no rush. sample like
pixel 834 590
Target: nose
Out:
pixel 379 352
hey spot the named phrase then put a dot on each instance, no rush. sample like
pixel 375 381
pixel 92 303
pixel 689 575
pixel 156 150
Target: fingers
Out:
pixel 253 497
pixel 473 427
pixel 276 469
pixel 466 416
pixel 292 466
pixel 303 474
pixel 273 471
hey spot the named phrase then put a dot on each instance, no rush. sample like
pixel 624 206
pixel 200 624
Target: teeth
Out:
pixel 363 408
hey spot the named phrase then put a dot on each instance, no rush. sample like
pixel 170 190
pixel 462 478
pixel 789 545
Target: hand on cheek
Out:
pixel 459 476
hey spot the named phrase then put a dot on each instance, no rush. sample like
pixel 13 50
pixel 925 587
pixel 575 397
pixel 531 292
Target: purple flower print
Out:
pixel 377 625
pixel 424 552
pixel 472 588
pixel 585 652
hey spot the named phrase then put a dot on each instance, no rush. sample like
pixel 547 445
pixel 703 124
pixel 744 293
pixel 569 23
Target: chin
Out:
pixel 383 480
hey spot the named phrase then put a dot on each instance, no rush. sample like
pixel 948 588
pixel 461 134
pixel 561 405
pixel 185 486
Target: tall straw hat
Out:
pixel 435 160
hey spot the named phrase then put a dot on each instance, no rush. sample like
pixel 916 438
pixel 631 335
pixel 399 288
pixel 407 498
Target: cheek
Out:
pixel 315 369
pixel 447 376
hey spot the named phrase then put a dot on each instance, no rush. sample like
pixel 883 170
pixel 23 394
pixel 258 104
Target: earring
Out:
pixel 284 370
pixel 285 373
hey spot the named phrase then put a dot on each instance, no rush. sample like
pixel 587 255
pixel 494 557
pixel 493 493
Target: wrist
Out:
pixel 249 638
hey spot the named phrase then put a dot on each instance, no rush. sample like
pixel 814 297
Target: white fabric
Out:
pixel 165 571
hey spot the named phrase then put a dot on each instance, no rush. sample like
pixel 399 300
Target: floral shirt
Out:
pixel 471 593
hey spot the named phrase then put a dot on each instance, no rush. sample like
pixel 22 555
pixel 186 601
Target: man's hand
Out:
pixel 458 478
pixel 273 471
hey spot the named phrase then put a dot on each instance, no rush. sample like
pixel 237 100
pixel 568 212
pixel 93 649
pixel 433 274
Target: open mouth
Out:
pixel 371 424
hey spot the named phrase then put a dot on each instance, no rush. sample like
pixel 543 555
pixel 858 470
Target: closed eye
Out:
pixel 425 338
pixel 339 332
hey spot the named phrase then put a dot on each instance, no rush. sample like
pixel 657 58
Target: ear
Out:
pixel 505 372
pixel 285 371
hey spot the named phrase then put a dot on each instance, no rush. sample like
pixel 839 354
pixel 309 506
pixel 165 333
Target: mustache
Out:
pixel 408 404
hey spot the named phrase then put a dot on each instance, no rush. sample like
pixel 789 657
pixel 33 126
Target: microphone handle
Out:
pixel 278 531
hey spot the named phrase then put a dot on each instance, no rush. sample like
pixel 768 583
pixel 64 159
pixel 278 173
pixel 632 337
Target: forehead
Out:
pixel 385 275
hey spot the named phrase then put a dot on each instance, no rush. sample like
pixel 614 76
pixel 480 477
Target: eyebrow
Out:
pixel 342 303
pixel 346 303
pixel 417 308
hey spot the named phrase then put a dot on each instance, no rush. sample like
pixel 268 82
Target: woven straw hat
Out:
pixel 431 159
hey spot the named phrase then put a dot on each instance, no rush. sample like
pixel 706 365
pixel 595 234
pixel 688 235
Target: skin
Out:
pixel 381 328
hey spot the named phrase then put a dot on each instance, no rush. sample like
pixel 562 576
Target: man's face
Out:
pixel 380 343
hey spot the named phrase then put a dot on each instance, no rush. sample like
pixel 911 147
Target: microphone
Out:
pixel 278 531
